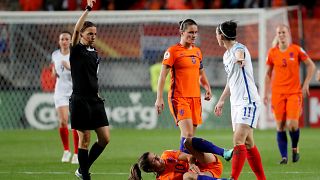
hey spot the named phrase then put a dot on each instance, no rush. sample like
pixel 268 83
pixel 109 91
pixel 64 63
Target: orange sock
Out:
pixel 255 163
pixel 238 159
pixel 75 141
pixel 64 135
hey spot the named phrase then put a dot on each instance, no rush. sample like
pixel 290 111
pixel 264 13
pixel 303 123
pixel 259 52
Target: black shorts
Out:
pixel 87 113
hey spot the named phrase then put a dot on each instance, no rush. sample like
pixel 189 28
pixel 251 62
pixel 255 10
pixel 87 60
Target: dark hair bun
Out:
pixel 229 29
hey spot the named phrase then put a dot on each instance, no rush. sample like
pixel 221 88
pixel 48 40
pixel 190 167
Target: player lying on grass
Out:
pixel 202 162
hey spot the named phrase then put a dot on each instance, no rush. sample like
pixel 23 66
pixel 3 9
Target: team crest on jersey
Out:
pixel 291 54
pixel 198 53
pixel 193 59
pixel 166 55
pixel 181 112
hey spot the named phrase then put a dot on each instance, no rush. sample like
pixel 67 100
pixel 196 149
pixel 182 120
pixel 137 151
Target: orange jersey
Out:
pixel 185 70
pixel 286 66
pixel 175 168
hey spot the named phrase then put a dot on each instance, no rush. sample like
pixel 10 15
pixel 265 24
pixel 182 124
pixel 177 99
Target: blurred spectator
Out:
pixel 178 4
pixel 155 4
pixel 257 3
pixel 121 4
pixel 3 6
pixel 70 5
pixel 310 6
pixel 52 5
pixel 31 5
pixel 236 4
pixel 278 3
pixel 212 4
pixel 107 5
pixel 46 79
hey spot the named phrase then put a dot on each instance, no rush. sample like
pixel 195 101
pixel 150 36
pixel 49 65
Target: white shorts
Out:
pixel 61 101
pixel 245 114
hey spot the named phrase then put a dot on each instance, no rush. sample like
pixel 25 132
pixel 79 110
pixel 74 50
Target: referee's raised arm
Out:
pixel 80 22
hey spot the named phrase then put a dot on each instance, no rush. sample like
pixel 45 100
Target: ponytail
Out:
pixel 144 164
pixel 135 172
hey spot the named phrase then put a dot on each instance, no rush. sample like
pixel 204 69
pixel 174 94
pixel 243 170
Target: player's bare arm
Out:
pixel 80 22
pixel 310 72
pixel 191 161
pixel 219 106
pixel 53 71
pixel 205 84
pixel 267 84
pixel 159 104
pixel 318 75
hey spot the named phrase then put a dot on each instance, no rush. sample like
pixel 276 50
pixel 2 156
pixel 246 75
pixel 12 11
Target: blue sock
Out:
pixel 206 146
pixel 182 148
pixel 204 177
pixel 282 143
pixel 294 137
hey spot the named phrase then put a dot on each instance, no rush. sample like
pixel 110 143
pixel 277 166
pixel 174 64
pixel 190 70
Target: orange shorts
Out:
pixel 286 106
pixel 186 108
pixel 215 168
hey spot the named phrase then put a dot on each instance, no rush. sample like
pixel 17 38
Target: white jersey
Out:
pixel 64 83
pixel 240 80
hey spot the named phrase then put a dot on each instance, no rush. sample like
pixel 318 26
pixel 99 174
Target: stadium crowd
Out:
pixel 65 5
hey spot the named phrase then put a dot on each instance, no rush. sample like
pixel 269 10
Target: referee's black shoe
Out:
pixel 295 157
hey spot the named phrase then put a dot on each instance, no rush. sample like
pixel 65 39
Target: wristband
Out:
pixel 88 8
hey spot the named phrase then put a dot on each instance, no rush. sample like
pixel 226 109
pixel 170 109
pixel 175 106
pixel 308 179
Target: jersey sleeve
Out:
pixel 200 57
pixel 170 154
pixel 238 47
pixel 53 57
pixel 168 57
pixel 302 54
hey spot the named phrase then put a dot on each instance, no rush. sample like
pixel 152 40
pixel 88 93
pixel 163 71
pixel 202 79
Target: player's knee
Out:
pixel 188 142
pixel 63 123
pixel 104 141
pixel 293 125
pixel 84 144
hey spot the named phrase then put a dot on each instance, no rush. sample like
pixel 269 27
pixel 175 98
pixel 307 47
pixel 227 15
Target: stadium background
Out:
pixel 27 40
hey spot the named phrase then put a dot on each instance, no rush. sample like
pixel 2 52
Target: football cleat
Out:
pixel 227 154
pixel 66 156
pixel 284 161
pixel 295 157
pixel 74 159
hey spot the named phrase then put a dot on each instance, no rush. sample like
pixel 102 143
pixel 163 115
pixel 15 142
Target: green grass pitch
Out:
pixel 33 154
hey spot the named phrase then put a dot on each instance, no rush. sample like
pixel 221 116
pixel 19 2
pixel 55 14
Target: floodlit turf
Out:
pixel 32 154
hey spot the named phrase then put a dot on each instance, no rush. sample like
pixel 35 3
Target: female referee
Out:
pixel 86 107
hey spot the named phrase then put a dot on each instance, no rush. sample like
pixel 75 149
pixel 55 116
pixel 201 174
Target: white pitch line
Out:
pixel 116 173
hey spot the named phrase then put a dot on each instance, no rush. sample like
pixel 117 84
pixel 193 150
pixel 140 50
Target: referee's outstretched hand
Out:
pixel 90 2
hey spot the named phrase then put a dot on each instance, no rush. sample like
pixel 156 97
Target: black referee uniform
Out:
pixel 87 110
